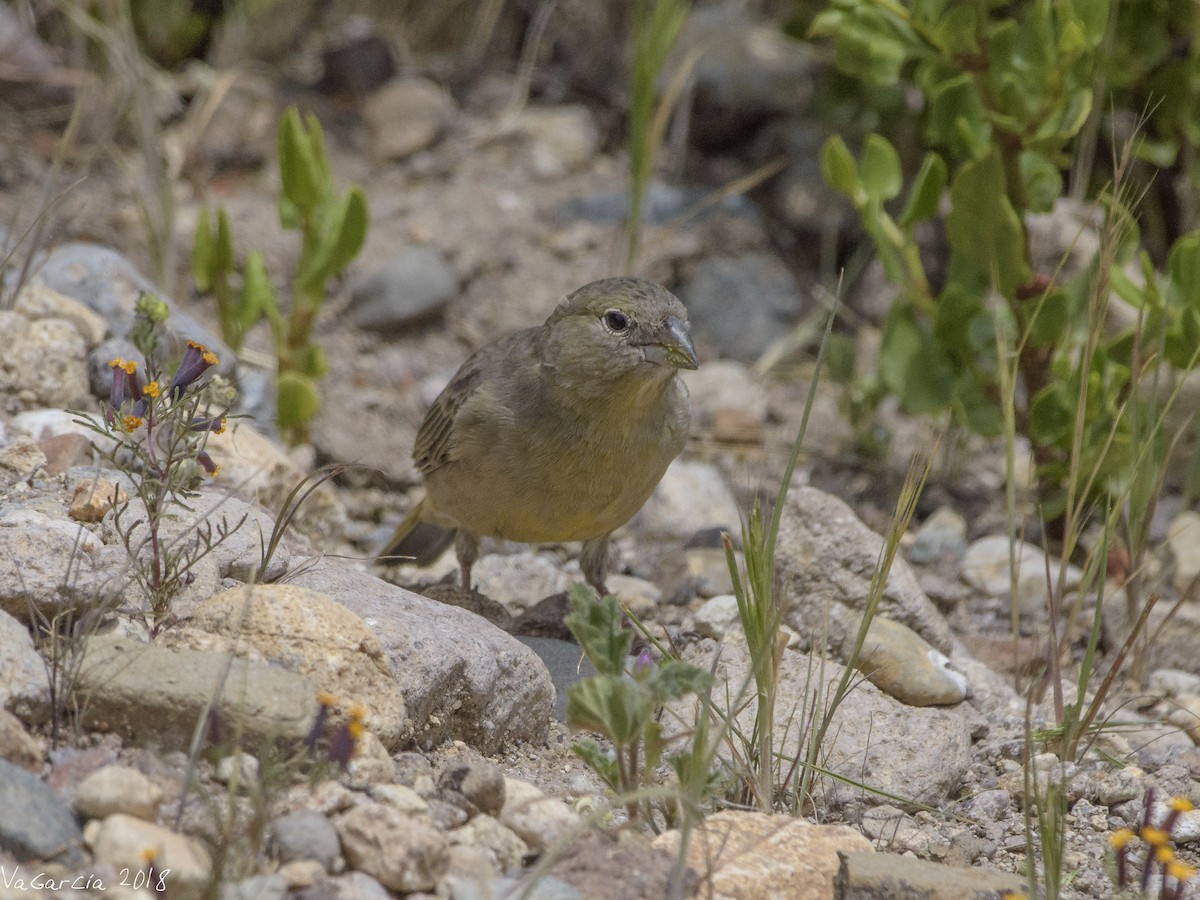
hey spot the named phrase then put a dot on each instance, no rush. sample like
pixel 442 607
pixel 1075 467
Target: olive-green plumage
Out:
pixel 556 433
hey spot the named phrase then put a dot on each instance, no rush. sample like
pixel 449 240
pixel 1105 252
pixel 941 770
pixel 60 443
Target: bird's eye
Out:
pixel 616 320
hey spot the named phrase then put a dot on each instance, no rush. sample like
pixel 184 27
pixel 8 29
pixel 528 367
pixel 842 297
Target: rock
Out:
pixel 62 451
pixel 561 139
pixel 506 851
pixel 405 116
pixel 254 465
pixel 718 616
pixel 16 745
pixel 691 496
pixel 540 821
pixel 1183 539
pixel 637 595
pixel 1172 682
pixel 741 305
pixel 411 287
pixel 565 662
pixel 107 283
pixel 357 58
pixel 461 677
pixel 986 568
pixel 748 70
pixel 474 785
pixel 257 887
pixel 1176 628
pixel 601 867
pixel 43 423
pixel 118 789
pixel 826 558
pixel 987 806
pixel 371 763
pixel 405 853
pixel 43 363
pixel 751 855
pixel 400 796
pixel 865 876
pixel 303 873
pixel 727 399
pixel 1118 785
pixel 900 663
pixel 358 886
pixel 147 692
pixel 24 681
pixel 48 566
pixel 237 769
pixel 36 302
pixel 45 829
pixel 305 835
pixel 942 536
pixel 518 581
pixel 661 204
pixel 93 498
pixel 918 753
pixel 182 863
pixel 310 634
pixel 20 461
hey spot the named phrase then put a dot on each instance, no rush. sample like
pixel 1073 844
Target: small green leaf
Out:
pixel 880 168
pixel 838 167
pixel 257 297
pixel 983 227
pixel 1043 181
pixel 1051 414
pixel 926 191
pixel 299 169
pixel 1183 265
pixel 615 706
pixel 1051 314
pixel 203 252
pixel 596 623
pixel 297 400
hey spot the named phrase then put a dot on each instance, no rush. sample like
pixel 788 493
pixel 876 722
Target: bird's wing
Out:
pixel 432 446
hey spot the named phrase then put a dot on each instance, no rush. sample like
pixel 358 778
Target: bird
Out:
pixel 555 434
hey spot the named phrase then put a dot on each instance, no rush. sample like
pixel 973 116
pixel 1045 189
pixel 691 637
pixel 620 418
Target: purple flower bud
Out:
pixel 207 462
pixel 196 361
pixel 125 382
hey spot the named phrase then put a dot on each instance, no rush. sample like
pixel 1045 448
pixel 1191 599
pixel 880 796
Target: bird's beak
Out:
pixel 671 345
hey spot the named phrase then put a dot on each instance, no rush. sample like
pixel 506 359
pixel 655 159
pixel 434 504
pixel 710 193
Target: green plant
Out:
pixel 622 705
pixel 1158 857
pixel 1006 92
pixel 656 24
pixel 155 430
pixel 332 229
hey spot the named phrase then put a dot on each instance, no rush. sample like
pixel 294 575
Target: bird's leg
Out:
pixel 593 562
pixel 466 548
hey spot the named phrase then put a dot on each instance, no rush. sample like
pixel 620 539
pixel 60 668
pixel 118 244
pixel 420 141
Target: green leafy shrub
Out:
pixel 1006 91
pixel 332 229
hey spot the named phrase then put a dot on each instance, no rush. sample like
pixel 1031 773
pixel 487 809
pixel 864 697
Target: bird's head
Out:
pixel 617 327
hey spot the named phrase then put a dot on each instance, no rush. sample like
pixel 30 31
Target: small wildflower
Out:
pixel 341 746
pixel 132 423
pixel 325 702
pixel 1120 839
pixel 1164 854
pixel 1155 837
pixel 1180 804
pixel 125 382
pixel 151 389
pixel 326 699
pixel 149 855
pixel 1181 871
pixel 206 461
pixel 196 361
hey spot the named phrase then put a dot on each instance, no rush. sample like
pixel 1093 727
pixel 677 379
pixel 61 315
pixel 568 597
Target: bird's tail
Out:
pixel 417 541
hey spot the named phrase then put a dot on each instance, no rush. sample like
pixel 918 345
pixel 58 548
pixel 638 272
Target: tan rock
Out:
pixel 754 856
pixel 405 853
pixel 181 865
pixel 16 744
pixel 40 302
pixel 20 460
pixel 539 820
pixel 94 497
pixel 252 463
pixel 118 789
pixel 306 632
